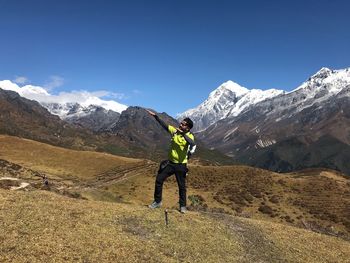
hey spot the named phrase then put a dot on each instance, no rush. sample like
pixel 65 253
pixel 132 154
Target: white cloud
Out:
pixel 137 92
pixel 21 80
pixel 115 95
pixel 54 82
pixel 85 98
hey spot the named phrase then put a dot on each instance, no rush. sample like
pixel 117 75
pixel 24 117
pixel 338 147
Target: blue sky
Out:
pixel 169 55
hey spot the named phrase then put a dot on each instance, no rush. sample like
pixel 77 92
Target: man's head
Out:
pixel 186 124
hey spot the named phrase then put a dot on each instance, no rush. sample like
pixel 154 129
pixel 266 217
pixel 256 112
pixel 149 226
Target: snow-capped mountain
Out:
pixel 96 117
pixel 70 109
pixel 228 100
pixel 321 90
pixel 65 109
pixel 28 119
pixel 306 127
pixel 92 117
pixel 82 108
pixel 320 87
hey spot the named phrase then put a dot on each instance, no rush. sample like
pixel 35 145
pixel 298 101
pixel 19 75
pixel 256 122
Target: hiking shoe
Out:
pixel 183 209
pixel 155 205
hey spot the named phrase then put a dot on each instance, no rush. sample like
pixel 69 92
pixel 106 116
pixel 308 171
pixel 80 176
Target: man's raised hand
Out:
pixel 151 112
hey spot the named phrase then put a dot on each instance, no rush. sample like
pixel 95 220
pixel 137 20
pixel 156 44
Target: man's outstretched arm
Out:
pixel 187 138
pixel 164 125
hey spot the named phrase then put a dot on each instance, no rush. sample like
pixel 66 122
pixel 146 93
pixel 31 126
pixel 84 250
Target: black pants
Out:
pixel 180 171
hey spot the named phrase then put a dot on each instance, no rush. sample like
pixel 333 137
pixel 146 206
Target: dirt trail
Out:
pixel 257 247
pixel 117 175
pixel 22 185
pixel 334 177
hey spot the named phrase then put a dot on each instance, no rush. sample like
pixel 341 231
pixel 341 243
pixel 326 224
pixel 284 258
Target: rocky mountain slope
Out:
pixel 308 127
pixel 28 119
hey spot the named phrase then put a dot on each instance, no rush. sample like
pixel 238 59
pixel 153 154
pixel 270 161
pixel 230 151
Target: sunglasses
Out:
pixel 183 124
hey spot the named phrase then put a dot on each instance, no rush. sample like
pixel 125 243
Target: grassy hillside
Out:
pixel 248 213
pixel 314 199
pixel 59 161
pixel 39 226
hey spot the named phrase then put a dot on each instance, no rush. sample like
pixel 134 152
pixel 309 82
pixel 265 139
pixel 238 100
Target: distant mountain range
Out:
pixel 132 133
pixel 272 129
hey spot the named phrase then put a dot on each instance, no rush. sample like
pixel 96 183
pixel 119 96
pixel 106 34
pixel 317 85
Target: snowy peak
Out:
pixel 79 111
pixel 92 117
pixel 326 80
pixel 228 87
pixel 72 109
pixel 108 105
pixel 322 73
pixel 251 98
pixel 228 100
pixel 320 88
pixel 61 110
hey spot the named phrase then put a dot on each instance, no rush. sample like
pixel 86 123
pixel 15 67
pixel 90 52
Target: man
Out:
pixel 182 145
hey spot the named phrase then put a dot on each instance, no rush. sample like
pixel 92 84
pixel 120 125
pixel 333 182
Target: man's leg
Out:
pixel 161 177
pixel 180 174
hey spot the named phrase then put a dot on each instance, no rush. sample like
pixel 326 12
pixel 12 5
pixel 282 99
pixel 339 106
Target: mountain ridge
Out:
pixel 93 117
pixel 245 124
pixel 135 133
pixel 318 108
pixel 228 100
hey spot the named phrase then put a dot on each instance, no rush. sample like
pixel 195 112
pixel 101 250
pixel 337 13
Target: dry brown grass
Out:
pixel 298 245
pixel 313 199
pixel 59 161
pixel 44 227
pixel 39 226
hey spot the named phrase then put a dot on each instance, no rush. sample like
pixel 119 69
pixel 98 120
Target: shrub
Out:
pixel 347 224
pixel 196 200
pixel 265 209
pixel 274 199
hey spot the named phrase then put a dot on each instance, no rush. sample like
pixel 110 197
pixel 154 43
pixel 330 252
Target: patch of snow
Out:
pixel 9 178
pixel 22 185
pixel 227 135
pixel 265 143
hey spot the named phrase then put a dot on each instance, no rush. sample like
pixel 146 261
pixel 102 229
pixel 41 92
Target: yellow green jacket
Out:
pixel 180 144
